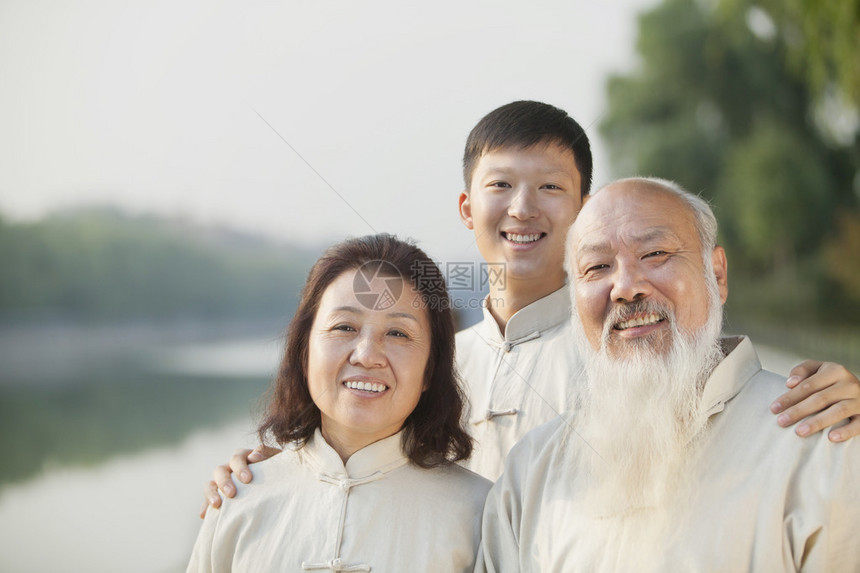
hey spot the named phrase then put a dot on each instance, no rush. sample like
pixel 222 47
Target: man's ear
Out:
pixel 465 206
pixel 721 270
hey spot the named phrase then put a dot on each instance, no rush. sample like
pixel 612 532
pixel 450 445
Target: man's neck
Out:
pixel 504 303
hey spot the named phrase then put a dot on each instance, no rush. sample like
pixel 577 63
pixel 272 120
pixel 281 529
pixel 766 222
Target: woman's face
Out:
pixel 366 367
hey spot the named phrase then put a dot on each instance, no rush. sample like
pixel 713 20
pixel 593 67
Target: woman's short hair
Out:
pixel 433 433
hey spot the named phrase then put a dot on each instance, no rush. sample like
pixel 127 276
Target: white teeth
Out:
pixel 513 237
pixel 641 321
pixel 366 386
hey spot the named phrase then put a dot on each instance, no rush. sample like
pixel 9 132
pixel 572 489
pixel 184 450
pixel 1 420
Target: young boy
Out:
pixel 527 169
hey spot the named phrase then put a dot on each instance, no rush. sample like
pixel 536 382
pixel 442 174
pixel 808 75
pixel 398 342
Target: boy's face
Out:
pixel 521 203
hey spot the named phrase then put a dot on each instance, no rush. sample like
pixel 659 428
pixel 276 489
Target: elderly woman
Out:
pixel 368 406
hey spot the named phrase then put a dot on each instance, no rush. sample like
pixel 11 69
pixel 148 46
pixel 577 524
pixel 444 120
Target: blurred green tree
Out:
pixel 103 265
pixel 775 187
pixel 822 38
pixel 842 258
pixel 725 101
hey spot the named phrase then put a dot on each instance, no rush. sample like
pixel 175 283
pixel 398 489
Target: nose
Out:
pixel 629 283
pixel 523 205
pixel 368 352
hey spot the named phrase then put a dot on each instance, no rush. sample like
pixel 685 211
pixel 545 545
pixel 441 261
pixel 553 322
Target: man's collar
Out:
pixel 739 365
pixel 542 314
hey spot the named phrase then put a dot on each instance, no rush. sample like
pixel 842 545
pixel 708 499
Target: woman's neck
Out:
pixel 347 443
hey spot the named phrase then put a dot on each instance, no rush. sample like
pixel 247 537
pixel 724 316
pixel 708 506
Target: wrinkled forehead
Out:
pixel 632 213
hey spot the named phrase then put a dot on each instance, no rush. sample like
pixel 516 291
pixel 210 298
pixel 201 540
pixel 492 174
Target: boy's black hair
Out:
pixel 524 124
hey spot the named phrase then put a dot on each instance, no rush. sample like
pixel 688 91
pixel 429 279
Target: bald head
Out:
pixel 648 284
pixel 643 240
pixel 704 220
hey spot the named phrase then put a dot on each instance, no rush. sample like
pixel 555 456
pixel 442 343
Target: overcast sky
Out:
pixel 162 106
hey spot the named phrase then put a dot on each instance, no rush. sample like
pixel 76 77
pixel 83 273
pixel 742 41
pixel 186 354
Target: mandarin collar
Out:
pixel 382 456
pixel 740 364
pixel 542 314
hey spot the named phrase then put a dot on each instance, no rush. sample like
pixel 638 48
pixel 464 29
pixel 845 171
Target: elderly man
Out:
pixel 666 462
pixel 527 169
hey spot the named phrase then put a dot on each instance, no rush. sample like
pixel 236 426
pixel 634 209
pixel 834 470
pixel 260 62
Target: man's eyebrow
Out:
pixel 593 248
pixel 648 235
pixel 655 233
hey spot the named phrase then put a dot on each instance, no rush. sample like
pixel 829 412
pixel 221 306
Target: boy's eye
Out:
pixel 551 186
pixel 502 184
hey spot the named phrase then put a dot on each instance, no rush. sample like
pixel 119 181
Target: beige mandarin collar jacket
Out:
pixel 516 380
pixel 759 497
pixel 307 511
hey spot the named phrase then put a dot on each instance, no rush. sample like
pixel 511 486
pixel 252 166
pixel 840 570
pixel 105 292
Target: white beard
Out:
pixel 639 415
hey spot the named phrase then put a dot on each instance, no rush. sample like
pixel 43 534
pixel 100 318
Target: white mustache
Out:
pixel 621 312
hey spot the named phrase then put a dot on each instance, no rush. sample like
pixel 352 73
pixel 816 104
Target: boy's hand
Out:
pixel 827 390
pixel 223 480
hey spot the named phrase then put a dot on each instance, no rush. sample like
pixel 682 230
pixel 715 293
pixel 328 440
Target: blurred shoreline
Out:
pixel 61 352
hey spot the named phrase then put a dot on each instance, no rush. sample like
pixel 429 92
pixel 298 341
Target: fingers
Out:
pixel 802 371
pixel 798 393
pixel 222 476
pixel 240 460
pixel 825 418
pixel 239 465
pixel 825 375
pixel 848 431
pixel 829 406
pixel 210 493
pixel 829 396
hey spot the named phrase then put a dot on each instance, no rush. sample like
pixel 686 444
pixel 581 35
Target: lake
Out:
pixel 108 434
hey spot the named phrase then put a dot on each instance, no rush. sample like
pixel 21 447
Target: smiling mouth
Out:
pixel 365 386
pixel 523 239
pixel 644 320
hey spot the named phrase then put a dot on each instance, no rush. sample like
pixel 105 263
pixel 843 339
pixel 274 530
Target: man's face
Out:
pixel 636 266
pixel 521 203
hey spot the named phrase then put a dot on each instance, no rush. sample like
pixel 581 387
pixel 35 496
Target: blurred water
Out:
pixel 113 478
pixel 77 396
pixel 132 514
pixel 108 432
